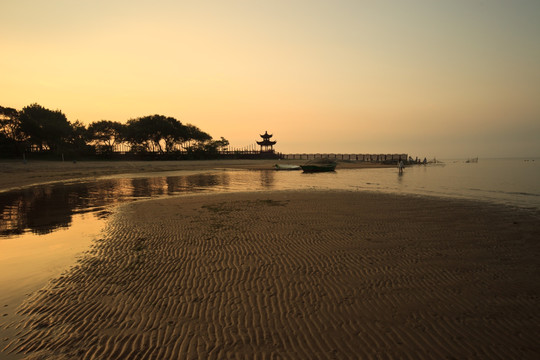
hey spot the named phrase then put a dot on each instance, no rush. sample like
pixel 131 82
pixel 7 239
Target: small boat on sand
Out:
pixel 318 168
pixel 287 167
pixel 319 165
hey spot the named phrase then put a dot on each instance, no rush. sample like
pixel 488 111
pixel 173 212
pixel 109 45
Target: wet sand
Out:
pixel 16 174
pixel 297 275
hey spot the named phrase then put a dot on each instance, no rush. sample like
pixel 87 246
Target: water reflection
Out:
pixel 267 179
pixel 37 209
pixel 42 209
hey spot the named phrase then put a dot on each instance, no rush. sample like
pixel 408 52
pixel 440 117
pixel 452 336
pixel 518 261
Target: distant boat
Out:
pixel 287 167
pixel 473 160
pixel 319 165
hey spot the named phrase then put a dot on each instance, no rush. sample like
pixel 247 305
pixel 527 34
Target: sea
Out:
pixel 44 228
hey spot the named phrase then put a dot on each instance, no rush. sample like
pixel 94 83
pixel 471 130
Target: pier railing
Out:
pixel 122 151
pixel 349 157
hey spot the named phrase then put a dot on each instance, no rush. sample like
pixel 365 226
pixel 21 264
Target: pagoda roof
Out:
pixel 266 142
pixel 266 135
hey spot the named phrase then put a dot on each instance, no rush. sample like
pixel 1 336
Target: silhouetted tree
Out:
pixel 44 127
pixel 137 134
pixel 161 133
pixel 50 130
pixel 212 146
pixel 11 136
pixel 9 124
pixel 222 144
pixel 196 135
pixel 176 135
pixel 106 134
pixel 78 138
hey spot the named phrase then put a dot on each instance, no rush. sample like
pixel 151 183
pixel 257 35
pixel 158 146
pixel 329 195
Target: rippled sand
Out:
pixel 297 275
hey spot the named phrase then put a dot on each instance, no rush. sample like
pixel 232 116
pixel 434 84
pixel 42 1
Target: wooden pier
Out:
pixel 348 157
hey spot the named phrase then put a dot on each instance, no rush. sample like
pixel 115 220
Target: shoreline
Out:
pixel 17 175
pixel 298 274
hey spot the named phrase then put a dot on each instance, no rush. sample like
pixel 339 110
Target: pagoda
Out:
pixel 266 144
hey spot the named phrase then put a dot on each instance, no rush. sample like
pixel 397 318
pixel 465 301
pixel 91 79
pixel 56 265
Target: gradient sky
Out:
pixel 444 78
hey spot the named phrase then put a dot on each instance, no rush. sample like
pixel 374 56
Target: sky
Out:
pixel 431 78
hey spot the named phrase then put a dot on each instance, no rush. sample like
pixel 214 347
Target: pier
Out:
pixel 348 157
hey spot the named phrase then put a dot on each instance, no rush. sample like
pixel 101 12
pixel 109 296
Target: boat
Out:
pixel 318 168
pixel 287 167
pixel 319 165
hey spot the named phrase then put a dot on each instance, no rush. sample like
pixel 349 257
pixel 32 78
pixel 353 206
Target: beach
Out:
pixel 296 275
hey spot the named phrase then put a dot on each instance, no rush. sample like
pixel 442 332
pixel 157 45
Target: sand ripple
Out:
pixel 297 275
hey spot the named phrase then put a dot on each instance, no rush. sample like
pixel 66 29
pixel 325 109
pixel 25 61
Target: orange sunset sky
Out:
pixel 440 78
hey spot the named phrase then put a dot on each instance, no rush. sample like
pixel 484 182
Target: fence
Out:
pixel 122 151
pixel 349 157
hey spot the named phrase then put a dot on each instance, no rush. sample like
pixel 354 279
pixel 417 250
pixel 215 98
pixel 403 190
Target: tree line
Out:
pixel 38 129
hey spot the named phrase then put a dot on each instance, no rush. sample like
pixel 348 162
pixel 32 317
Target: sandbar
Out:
pixel 297 275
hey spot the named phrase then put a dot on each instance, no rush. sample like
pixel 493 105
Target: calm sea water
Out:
pixel 42 209
pixel 43 228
